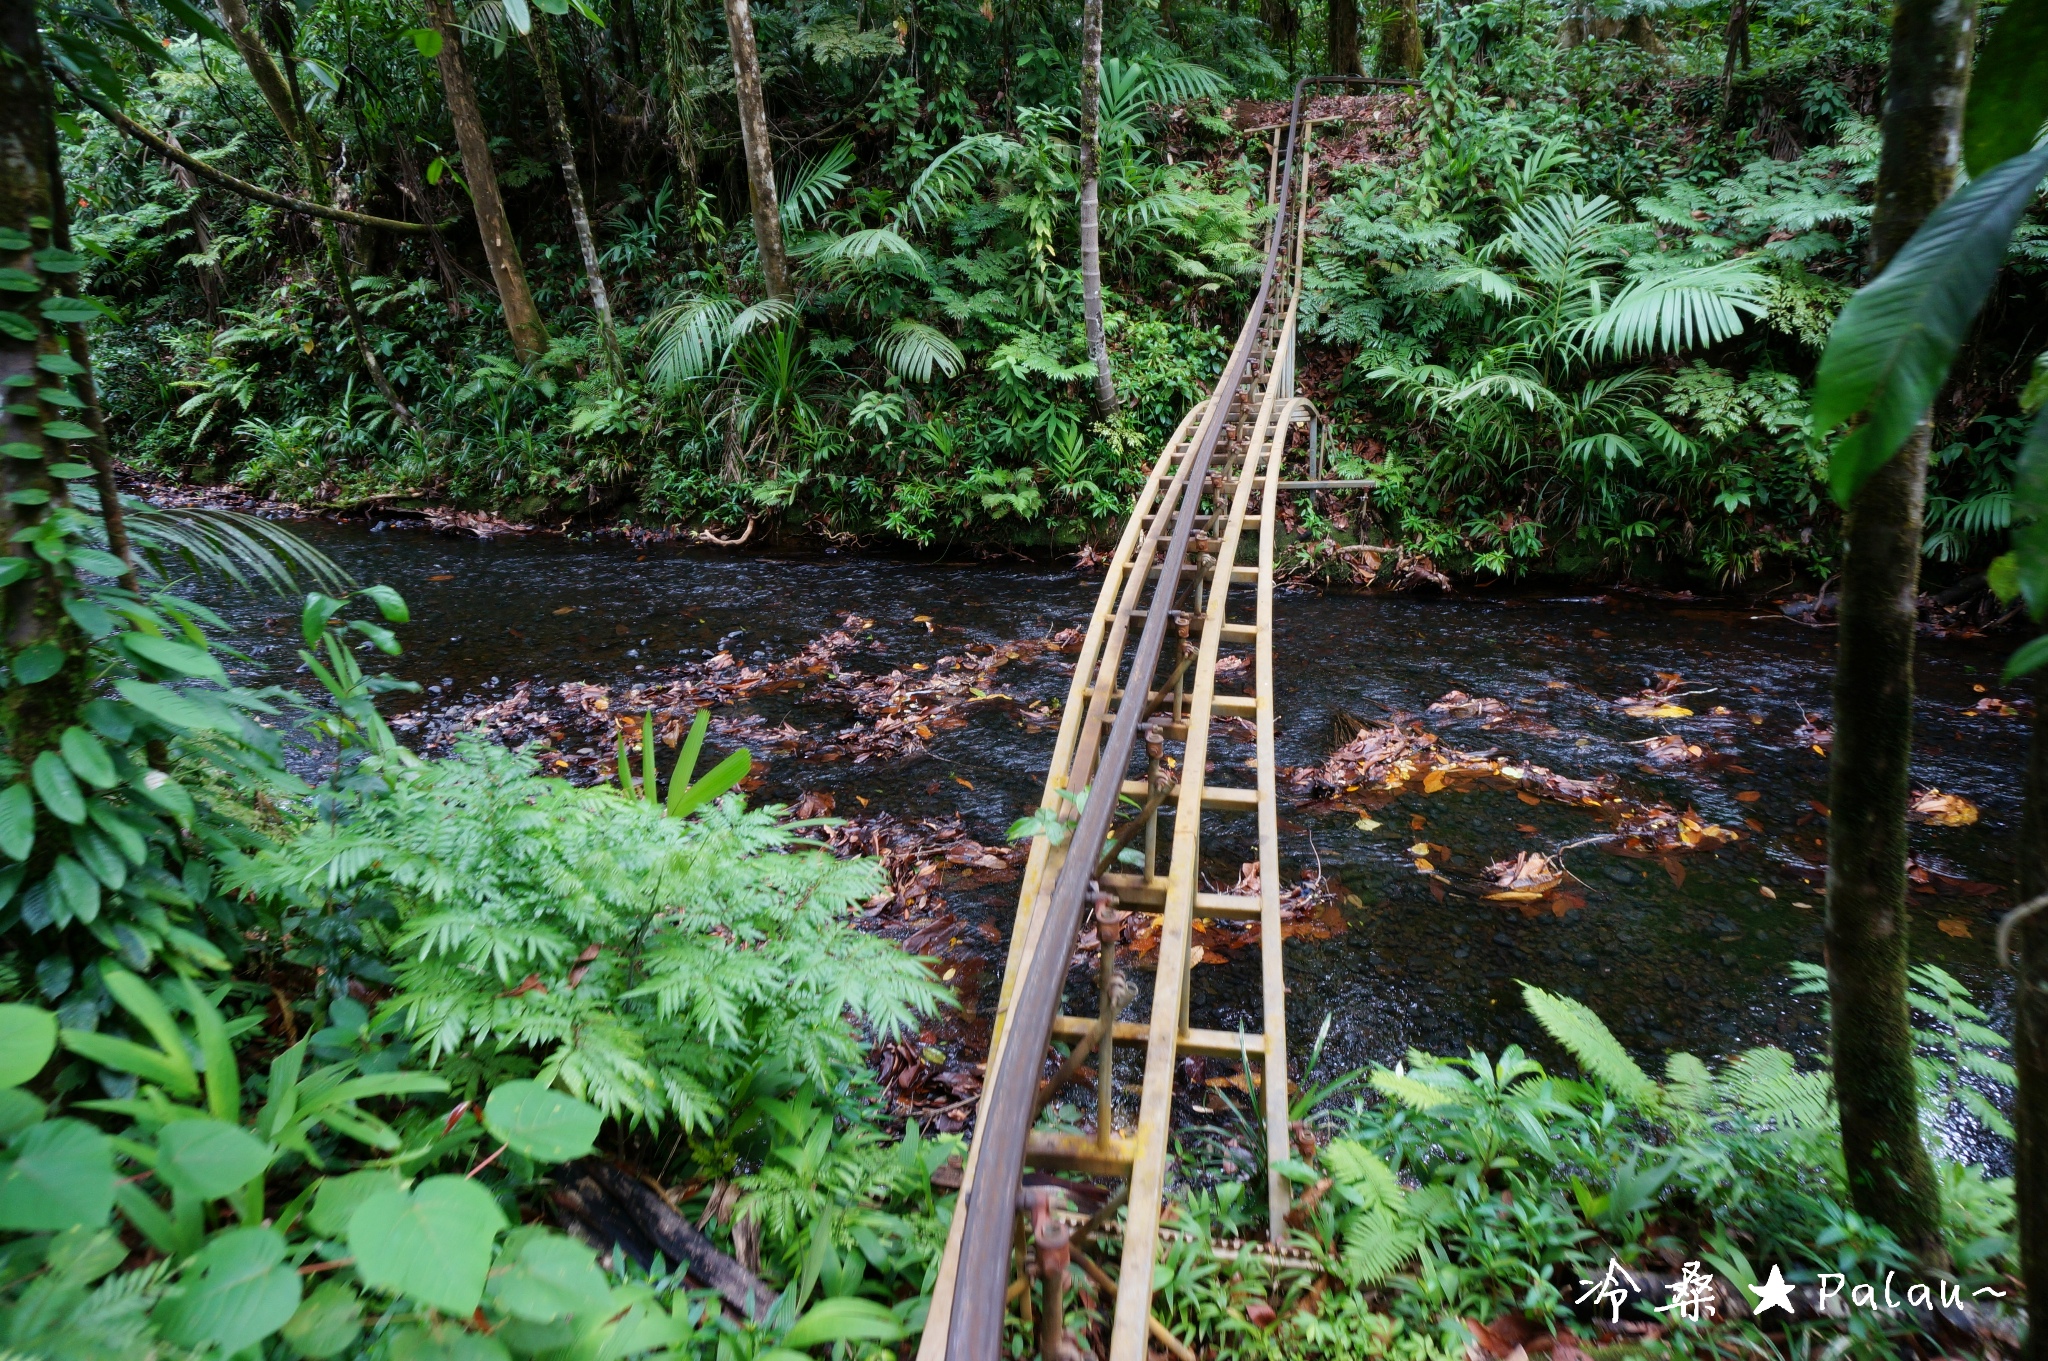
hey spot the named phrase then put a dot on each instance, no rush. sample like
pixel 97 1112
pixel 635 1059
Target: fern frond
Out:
pixel 1406 1090
pixel 950 175
pixel 1574 1025
pixel 1766 1085
pixel 1376 1245
pixel 1361 1174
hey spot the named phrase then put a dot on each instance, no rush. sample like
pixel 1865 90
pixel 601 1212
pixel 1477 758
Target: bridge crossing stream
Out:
pixel 1421 800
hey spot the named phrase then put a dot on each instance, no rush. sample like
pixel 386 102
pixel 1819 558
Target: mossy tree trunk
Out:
pixel 1400 51
pixel 1891 1178
pixel 1091 206
pixel 501 250
pixel 753 106
pixel 43 646
pixel 2030 1038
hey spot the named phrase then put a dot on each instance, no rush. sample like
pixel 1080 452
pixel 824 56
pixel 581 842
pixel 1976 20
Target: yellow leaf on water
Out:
pixel 1954 926
pixel 1432 782
pixel 1658 711
pixel 1366 825
pixel 1424 866
pixel 445 576
pixel 947 976
pixel 921 619
pixel 1530 799
pixel 1514 895
pixel 1419 848
pixel 566 609
pixel 957 780
pixel 1942 810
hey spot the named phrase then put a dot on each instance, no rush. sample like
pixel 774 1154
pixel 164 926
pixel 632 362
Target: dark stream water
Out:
pixel 1701 966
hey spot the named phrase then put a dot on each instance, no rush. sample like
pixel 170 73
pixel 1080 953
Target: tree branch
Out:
pixel 229 182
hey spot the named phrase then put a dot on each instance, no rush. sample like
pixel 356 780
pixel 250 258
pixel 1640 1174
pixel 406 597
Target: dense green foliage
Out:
pixel 1575 317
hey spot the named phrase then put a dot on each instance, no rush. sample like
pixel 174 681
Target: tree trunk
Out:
pixel 1343 34
pixel 572 183
pixel 1738 44
pixel 415 189
pixel 33 714
pixel 1091 226
pixel 1891 1179
pixel 280 91
pixel 1400 41
pixel 2030 1040
pixel 522 317
pixel 1283 25
pixel 746 74
pixel 211 285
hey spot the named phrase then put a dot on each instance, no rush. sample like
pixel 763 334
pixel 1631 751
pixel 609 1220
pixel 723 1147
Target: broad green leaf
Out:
pixel 18 1110
pixel 13 570
pixel 447 1342
pixel 313 618
pixel 33 665
pixel 846 1319
pixel 427 40
pixel 2029 659
pixel 520 17
pixel 235 1292
pixel 2008 87
pixel 209 1158
pixel 546 1125
pixel 432 1243
pixel 542 1276
pixel 389 603
pixel 28 1036
pixel 17 821
pixel 722 777
pixel 87 758
pixel 126 1056
pixel 76 888
pixel 58 788
pixel 1892 345
pixel 330 1319
pixel 2030 517
pixel 165 792
pixel 61 1174
pixel 172 708
pixel 168 655
pixel 337 1199
pixel 223 1074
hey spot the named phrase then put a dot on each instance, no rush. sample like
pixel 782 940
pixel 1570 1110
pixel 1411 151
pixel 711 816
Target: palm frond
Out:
pixel 811 190
pixel 863 247
pixel 1674 310
pixel 914 350
pixel 244 550
pixel 690 339
pixel 951 174
pixel 1560 235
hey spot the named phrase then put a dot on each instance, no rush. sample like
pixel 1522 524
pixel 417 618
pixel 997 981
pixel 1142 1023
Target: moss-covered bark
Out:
pixel 1400 40
pixel 1891 1178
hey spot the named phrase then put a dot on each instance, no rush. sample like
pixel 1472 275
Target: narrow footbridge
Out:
pixel 1130 788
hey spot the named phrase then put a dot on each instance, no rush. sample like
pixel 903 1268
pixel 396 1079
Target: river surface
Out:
pixel 1699 965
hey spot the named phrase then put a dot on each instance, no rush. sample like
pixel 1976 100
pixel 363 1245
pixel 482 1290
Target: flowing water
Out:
pixel 1698 963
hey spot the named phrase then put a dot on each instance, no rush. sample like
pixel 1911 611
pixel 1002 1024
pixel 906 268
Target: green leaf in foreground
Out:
pixel 844 1319
pixel 28 1036
pixel 2008 87
pixel 234 1293
pixel 544 1124
pixel 61 1175
pixel 432 1243
pixel 325 1325
pixel 1892 345
pixel 209 1158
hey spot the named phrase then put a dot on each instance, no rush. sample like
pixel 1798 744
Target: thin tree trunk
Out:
pixel 210 282
pixel 572 183
pixel 1091 206
pixel 98 452
pixel 746 74
pixel 1891 1178
pixel 1343 35
pixel 522 316
pixel 2030 1040
pixel 1400 51
pixel 280 91
pixel 1738 44
pixel 444 263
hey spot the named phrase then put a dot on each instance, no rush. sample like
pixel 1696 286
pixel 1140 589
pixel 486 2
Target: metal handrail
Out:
pixel 1010 1104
